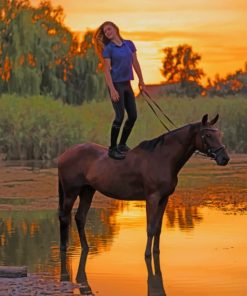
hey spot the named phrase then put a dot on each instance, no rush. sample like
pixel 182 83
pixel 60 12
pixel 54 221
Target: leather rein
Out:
pixel 209 151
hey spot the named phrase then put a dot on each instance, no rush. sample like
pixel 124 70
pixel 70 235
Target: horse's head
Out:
pixel 208 141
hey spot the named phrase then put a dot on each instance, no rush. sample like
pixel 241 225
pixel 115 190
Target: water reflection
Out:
pixel 31 238
pixel 155 286
pixel 36 232
pixel 23 235
pixel 186 217
pixel 81 277
pixel 155 280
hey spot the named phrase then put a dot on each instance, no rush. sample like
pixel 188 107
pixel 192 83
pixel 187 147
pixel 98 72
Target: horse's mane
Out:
pixel 150 145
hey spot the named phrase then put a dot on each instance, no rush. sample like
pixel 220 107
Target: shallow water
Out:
pixel 203 241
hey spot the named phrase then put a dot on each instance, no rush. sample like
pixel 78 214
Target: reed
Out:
pixel 42 128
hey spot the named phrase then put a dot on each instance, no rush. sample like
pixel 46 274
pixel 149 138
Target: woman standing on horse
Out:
pixel 118 57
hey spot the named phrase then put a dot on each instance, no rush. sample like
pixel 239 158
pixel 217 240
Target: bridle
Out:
pixel 209 151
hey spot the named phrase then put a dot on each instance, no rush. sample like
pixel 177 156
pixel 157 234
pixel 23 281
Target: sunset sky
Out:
pixel 216 29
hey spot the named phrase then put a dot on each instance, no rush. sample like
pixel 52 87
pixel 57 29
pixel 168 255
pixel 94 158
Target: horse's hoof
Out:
pixel 64 277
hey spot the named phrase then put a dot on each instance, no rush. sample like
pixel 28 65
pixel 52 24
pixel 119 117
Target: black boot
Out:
pixel 125 135
pixel 114 153
pixel 114 134
pixel 123 148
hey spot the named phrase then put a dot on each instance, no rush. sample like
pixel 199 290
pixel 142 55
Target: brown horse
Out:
pixel 149 172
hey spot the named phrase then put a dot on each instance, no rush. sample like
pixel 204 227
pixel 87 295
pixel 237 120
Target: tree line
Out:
pixel 39 55
pixel 180 67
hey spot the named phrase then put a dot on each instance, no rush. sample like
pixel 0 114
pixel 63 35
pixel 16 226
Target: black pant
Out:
pixel 126 102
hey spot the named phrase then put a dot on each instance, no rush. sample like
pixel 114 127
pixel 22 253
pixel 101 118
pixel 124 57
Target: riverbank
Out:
pixel 33 185
pixel 35 285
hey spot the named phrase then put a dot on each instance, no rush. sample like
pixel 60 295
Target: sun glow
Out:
pixel 215 29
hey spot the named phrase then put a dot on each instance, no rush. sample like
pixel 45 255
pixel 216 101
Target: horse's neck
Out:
pixel 183 142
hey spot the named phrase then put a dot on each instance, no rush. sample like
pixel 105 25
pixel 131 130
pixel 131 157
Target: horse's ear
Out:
pixel 213 121
pixel 205 119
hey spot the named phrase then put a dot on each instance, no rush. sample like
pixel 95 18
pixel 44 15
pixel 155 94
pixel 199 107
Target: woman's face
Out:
pixel 109 31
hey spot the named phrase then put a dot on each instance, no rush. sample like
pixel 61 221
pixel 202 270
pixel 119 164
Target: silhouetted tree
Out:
pixel 180 65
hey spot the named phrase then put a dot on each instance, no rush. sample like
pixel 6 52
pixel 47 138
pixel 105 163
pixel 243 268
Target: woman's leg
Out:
pixel 118 107
pixel 130 106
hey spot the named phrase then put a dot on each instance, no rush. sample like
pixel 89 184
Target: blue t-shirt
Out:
pixel 121 60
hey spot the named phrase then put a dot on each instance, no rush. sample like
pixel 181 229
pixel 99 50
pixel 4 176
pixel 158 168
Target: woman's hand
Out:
pixel 142 87
pixel 114 95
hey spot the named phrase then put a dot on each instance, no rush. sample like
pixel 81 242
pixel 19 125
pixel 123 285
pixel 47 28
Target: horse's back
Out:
pixel 89 164
pixel 78 159
pixel 78 150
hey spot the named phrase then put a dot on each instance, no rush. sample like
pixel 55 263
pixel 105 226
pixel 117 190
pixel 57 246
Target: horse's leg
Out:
pixel 86 196
pixel 65 218
pixel 152 206
pixel 81 277
pixel 64 277
pixel 161 210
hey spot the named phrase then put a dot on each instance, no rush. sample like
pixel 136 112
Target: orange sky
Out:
pixel 216 29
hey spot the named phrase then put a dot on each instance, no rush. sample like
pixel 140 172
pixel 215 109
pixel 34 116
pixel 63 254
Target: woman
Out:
pixel 118 56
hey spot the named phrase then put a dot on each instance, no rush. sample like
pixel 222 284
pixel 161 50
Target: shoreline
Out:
pixel 37 285
pixel 29 188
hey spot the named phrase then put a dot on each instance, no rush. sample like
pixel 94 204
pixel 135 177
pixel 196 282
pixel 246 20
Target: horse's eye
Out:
pixel 208 135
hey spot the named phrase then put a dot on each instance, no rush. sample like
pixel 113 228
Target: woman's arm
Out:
pixel 138 71
pixel 107 68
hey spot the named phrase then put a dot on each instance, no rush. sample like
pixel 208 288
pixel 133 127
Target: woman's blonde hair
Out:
pixel 100 40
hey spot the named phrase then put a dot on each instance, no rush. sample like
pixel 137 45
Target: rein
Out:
pixel 159 108
pixel 210 152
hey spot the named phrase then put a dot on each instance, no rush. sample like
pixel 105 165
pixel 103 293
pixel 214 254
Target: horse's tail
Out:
pixel 61 195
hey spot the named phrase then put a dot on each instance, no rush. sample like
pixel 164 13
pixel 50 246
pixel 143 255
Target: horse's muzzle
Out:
pixel 222 158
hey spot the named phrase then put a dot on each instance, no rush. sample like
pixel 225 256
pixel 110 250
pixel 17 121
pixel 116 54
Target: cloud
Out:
pixel 157 36
pixel 139 6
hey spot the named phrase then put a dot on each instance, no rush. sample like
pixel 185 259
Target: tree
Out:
pixel 232 84
pixel 55 44
pixel 39 55
pixel 33 41
pixel 84 80
pixel 8 12
pixel 180 65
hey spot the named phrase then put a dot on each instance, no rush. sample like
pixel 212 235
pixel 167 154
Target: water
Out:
pixel 203 241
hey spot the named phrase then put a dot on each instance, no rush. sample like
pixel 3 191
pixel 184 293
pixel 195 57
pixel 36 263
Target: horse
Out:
pixel 149 172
